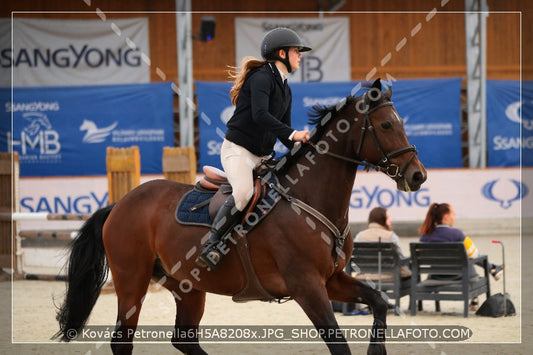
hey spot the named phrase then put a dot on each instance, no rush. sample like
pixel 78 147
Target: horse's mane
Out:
pixel 320 117
pixel 319 112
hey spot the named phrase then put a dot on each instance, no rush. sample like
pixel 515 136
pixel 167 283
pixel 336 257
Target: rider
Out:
pixel 262 114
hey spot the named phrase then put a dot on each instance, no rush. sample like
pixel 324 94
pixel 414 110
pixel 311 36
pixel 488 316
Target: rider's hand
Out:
pixel 303 136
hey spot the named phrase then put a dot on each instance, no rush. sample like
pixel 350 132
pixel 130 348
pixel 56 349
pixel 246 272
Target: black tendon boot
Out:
pixel 226 218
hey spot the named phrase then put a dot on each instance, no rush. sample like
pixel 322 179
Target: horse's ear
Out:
pixel 388 93
pixel 377 84
pixel 375 91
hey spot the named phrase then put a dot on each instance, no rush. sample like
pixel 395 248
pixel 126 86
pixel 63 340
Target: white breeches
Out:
pixel 238 163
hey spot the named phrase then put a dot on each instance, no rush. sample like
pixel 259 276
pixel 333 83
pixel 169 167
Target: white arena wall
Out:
pixel 487 202
pixel 492 193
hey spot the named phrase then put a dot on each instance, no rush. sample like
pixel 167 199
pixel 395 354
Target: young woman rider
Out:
pixel 262 114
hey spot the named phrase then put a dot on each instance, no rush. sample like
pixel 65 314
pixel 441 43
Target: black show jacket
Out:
pixel 263 112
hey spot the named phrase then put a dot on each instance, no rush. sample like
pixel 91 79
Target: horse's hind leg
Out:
pixel 344 288
pixel 189 312
pixel 131 289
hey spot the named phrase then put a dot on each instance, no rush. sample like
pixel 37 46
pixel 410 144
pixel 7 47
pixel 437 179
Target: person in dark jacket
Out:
pixel 262 115
pixel 438 228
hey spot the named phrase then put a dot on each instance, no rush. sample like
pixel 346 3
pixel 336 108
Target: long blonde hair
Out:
pixel 239 75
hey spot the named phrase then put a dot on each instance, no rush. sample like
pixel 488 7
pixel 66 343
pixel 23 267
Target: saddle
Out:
pixel 200 205
pixel 216 180
pixel 213 178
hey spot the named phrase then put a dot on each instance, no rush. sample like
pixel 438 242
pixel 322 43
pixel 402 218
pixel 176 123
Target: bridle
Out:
pixel 384 165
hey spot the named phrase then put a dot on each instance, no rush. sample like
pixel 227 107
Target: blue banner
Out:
pixel 509 123
pixel 65 131
pixel 431 110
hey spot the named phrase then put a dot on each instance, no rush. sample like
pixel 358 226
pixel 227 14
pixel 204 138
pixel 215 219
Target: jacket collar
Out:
pixel 276 72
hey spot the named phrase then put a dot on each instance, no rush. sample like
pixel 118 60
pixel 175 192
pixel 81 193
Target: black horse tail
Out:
pixel 87 270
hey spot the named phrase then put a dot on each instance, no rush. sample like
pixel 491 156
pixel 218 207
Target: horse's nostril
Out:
pixel 418 177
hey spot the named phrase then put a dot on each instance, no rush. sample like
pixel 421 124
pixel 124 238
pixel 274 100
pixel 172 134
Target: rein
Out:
pixel 384 165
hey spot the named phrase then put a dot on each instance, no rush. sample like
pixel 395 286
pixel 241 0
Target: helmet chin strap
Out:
pixel 285 60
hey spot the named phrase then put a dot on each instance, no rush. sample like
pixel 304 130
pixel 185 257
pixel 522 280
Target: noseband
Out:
pixel 385 165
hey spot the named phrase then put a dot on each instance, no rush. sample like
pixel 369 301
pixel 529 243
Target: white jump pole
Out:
pixel 30 216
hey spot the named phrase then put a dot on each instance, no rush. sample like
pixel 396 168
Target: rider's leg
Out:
pixel 226 218
pixel 238 163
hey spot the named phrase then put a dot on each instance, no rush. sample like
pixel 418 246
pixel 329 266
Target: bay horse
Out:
pixel 296 252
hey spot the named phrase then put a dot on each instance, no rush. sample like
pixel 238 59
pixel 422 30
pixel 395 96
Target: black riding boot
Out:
pixel 226 218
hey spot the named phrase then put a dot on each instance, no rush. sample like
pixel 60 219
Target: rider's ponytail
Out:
pixel 239 75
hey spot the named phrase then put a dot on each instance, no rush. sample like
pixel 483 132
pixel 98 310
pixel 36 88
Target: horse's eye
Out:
pixel 386 125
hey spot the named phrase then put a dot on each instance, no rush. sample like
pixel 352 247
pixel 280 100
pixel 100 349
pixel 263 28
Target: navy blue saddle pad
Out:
pixel 193 209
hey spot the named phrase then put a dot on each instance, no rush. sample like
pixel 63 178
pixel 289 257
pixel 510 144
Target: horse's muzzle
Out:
pixel 413 178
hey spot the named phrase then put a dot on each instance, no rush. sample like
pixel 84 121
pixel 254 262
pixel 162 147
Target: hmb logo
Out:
pixel 311 69
pixel 38 136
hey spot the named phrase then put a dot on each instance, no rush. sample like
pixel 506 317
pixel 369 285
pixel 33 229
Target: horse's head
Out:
pixel 373 136
pixel 383 142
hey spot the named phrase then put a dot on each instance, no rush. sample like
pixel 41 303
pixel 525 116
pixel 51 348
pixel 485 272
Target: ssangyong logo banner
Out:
pixel 65 131
pixel 509 122
pixel 54 52
pixel 491 193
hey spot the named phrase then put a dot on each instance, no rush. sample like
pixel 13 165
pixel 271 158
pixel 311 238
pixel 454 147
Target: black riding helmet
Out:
pixel 281 38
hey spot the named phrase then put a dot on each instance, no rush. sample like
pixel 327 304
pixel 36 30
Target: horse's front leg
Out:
pixel 313 299
pixel 344 288
pixel 189 312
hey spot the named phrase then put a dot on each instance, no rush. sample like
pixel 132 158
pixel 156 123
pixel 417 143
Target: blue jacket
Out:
pixel 444 233
pixel 262 113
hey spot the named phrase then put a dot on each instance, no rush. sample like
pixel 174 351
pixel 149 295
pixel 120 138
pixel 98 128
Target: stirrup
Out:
pixel 210 259
pixel 222 224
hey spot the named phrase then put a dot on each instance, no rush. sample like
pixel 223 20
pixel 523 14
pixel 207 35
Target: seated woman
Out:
pixel 379 226
pixel 438 227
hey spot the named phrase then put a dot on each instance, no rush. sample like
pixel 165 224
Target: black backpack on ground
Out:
pixel 494 306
